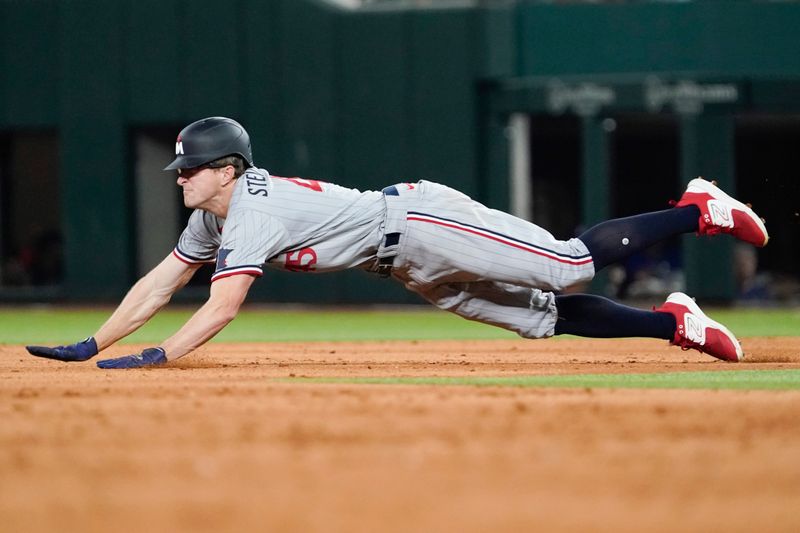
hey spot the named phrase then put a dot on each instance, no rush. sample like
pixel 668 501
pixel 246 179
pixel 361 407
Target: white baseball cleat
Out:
pixel 696 331
pixel 719 213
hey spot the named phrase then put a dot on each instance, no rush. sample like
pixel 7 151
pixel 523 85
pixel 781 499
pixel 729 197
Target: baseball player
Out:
pixel 477 262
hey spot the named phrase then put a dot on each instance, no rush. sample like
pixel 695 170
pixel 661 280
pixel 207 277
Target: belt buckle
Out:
pixel 384 267
pixel 384 271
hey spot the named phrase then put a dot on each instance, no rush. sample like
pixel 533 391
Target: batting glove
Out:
pixel 148 357
pixel 80 351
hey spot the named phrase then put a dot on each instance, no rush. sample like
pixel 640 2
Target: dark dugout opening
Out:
pixel 767 162
pixel 31 232
pixel 645 176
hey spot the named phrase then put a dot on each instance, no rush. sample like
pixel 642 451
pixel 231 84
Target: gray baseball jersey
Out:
pixel 460 255
pixel 291 223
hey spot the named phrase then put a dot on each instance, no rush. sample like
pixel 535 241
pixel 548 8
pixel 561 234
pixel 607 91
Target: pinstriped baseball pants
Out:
pixel 484 264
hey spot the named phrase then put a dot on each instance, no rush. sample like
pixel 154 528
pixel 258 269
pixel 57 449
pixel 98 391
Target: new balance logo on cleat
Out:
pixel 695 331
pixel 719 213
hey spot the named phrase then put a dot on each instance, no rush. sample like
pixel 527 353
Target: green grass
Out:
pixel 21 326
pixel 756 322
pixel 25 325
pixel 38 325
pixel 725 379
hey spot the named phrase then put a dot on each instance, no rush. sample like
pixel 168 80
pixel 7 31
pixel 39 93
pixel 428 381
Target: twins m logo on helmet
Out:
pixel 210 139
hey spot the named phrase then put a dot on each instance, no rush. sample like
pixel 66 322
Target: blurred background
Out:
pixel 561 112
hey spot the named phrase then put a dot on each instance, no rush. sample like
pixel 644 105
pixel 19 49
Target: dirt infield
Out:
pixel 216 443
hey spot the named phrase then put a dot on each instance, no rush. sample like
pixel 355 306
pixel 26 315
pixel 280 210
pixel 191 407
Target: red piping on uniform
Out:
pixel 188 261
pixel 179 258
pixel 453 226
pixel 255 273
pixel 184 260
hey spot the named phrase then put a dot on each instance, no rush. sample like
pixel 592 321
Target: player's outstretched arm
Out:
pixel 227 295
pixel 144 299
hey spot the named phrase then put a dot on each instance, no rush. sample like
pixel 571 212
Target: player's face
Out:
pixel 200 185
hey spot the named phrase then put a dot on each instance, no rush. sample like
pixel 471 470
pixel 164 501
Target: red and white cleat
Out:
pixel 696 331
pixel 719 213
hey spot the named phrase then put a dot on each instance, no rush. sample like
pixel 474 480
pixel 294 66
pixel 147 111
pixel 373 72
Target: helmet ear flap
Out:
pixel 210 139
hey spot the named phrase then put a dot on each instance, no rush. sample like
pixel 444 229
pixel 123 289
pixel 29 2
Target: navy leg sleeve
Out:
pixel 614 240
pixel 588 315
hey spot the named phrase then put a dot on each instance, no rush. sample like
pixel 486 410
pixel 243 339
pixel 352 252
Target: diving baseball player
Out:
pixel 477 262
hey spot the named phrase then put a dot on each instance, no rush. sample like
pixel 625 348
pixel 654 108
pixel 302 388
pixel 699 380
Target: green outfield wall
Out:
pixel 364 98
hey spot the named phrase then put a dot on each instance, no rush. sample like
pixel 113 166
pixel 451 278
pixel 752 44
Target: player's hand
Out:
pixel 80 351
pixel 148 357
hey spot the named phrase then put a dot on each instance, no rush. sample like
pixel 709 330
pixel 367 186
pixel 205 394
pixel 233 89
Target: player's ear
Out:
pixel 229 175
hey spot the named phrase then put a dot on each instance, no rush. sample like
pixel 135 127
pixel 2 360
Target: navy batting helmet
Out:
pixel 209 139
